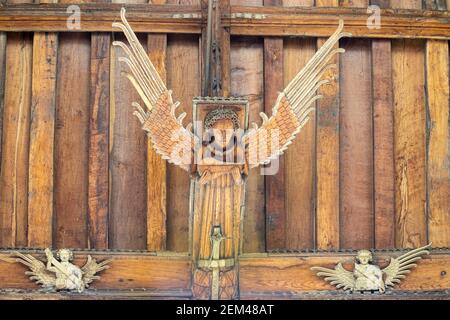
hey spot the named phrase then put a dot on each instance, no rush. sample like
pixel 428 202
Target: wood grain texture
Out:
pixel 356 145
pixel 127 163
pixel 2 81
pixel 275 186
pixel 383 122
pixel 98 173
pixel 327 153
pixel 127 271
pixel 247 70
pixel 437 80
pixel 292 274
pixel 42 129
pixel 71 141
pixel 183 77
pixel 409 137
pixel 15 141
pixel 156 166
pixel 300 159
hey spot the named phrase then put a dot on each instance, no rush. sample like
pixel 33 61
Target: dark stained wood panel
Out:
pixel 71 141
pixel 127 163
pixel 356 146
pixel 98 189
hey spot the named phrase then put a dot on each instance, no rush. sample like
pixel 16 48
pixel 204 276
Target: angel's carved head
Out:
pixel 364 257
pixel 220 128
pixel 64 255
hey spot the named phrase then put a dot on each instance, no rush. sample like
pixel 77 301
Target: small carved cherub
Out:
pixel 68 275
pixel 59 273
pixel 369 277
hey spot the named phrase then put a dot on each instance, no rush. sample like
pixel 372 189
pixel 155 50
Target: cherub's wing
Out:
pixel 170 139
pixel 400 266
pixel 293 106
pixel 38 272
pixel 91 268
pixel 338 276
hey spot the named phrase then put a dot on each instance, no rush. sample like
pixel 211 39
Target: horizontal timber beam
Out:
pixel 149 275
pixel 98 17
pixel 241 20
pixel 128 270
pixel 291 275
pixel 322 22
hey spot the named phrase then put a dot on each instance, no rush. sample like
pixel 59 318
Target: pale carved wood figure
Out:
pixel 220 151
pixel 370 277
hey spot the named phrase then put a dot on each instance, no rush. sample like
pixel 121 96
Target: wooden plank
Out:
pixel 356 153
pixel 15 141
pixel 2 81
pixel 327 153
pixel 298 21
pixel 127 161
pixel 156 166
pixel 42 129
pixel 383 122
pixel 72 142
pixel 300 156
pixel 98 174
pixel 98 17
pixel 283 275
pixel 183 77
pixel 321 22
pixel 383 140
pixel 127 271
pixel 437 75
pixel 409 137
pixel 275 186
pixel 247 80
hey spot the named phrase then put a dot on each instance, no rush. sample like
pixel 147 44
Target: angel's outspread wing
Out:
pixel 338 276
pixel 38 272
pixel 91 268
pixel 293 106
pixel 399 267
pixel 170 139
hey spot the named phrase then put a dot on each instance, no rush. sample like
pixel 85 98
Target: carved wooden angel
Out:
pixel 219 158
pixel 369 277
pixel 178 145
pixel 59 273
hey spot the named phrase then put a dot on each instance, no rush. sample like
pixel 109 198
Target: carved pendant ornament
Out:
pixel 218 150
pixel 370 277
pixel 58 273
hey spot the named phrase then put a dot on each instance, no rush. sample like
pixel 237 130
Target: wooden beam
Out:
pixel 275 274
pixel 321 22
pixel 278 274
pixel 42 129
pixel 98 173
pixel 275 184
pixel 128 271
pixel 242 20
pixel 156 166
pixel 327 155
pixel 100 16
pixel 437 81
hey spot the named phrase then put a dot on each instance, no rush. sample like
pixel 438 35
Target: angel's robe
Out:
pixel 368 277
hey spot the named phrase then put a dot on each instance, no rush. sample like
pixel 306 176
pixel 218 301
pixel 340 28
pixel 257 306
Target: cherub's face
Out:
pixel 221 133
pixel 364 258
pixel 64 255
